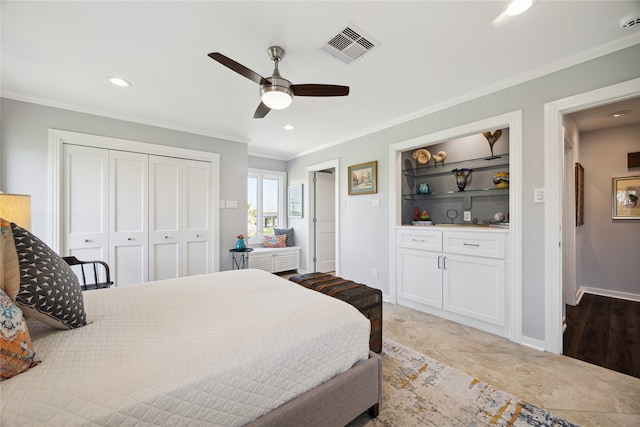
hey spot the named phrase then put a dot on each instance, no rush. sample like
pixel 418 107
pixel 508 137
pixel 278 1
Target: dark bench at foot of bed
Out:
pixel 367 300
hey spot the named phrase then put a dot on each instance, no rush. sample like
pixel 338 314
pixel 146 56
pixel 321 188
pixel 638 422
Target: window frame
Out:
pixel 260 175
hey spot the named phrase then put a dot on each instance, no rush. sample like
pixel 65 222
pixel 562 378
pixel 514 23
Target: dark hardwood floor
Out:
pixel 605 332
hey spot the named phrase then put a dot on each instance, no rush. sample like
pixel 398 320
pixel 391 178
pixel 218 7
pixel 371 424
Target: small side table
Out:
pixel 240 258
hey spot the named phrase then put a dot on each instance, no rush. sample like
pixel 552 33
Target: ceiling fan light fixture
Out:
pixel 276 97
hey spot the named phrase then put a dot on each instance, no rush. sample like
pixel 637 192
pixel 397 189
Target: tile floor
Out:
pixel 584 394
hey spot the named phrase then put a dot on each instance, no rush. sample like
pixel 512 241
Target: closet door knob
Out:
pixel 87 240
pixel 129 238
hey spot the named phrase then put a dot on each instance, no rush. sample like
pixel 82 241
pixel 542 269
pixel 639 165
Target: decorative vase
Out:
pixel 240 245
pixel 462 176
pixel 501 179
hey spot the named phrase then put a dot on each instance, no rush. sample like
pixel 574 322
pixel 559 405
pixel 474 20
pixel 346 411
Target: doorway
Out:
pixel 323 217
pixel 555 189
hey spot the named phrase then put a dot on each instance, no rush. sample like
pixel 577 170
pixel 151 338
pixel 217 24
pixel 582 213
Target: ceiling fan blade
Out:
pixel 238 68
pixel 319 90
pixel 261 111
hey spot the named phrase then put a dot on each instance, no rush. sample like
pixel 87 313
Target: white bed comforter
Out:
pixel 218 349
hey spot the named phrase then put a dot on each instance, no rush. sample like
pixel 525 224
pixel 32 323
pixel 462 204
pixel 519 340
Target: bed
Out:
pixel 233 348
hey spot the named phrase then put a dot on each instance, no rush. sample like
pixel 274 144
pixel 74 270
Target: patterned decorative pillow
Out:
pixel 274 241
pixel 49 290
pixel 16 351
pixel 287 232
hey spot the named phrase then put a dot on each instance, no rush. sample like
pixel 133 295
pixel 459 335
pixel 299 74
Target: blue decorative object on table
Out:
pixel 240 245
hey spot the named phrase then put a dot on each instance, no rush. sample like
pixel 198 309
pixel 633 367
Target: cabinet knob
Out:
pixel 197 235
pixel 87 240
pixel 129 238
pixel 166 237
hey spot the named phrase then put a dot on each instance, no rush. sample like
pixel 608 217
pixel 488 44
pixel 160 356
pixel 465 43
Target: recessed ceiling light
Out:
pixel 516 7
pixel 119 81
pixel 288 127
pixel 618 114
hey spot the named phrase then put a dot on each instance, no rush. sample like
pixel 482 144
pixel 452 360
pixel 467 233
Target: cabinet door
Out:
pixel 129 218
pixel 86 202
pixel 284 261
pixel 261 261
pixel 475 287
pixel 196 208
pixel 419 276
pixel 165 184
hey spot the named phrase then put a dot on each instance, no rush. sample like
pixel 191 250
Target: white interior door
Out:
pixel 165 193
pixel 196 214
pixel 86 201
pixel 129 217
pixel 325 209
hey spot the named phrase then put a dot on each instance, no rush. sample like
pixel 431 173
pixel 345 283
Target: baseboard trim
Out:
pixel 608 293
pixel 533 343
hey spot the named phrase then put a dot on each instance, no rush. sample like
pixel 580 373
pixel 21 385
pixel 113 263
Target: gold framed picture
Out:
pixel 624 198
pixel 363 178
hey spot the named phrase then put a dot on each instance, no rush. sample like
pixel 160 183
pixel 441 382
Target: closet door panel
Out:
pixel 196 207
pixel 86 201
pixel 165 194
pixel 129 215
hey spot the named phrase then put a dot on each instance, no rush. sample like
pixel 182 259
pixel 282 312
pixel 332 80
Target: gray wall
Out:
pixel 268 164
pixel 607 250
pixel 24 151
pixel 364 231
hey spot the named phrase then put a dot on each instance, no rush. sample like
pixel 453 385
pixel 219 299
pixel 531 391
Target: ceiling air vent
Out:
pixel 349 45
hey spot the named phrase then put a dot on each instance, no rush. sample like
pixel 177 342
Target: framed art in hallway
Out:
pixel 295 201
pixel 363 178
pixel 579 194
pixel 625 198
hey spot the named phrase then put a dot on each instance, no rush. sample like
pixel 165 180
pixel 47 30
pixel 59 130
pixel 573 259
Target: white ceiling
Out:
pixel 431 54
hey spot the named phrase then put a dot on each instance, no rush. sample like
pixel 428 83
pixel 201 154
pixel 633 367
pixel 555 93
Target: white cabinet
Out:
pixel 419 258
pixel 275 260
pixel 461 276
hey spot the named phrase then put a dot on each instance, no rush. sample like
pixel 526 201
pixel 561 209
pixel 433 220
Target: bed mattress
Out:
pixel 217 349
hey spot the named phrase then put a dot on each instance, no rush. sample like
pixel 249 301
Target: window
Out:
pixel 266 204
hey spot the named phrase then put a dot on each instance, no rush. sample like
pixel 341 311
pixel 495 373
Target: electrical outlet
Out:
pixel 375 203
pixel 467 215
pixel 374 273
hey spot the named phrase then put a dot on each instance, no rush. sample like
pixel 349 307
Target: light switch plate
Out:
pixel 375 203
pixel 232 204
pixel 538 195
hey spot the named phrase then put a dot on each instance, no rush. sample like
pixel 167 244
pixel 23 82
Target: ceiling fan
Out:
pixel 276 92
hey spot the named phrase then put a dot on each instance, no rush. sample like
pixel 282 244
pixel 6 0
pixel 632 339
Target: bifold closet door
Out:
pixel 86 203
pixel 128 217
pixel 179 212
pixel 165 194
pixel 196 205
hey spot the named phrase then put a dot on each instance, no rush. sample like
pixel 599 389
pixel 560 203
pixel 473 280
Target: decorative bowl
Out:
pixel 501 179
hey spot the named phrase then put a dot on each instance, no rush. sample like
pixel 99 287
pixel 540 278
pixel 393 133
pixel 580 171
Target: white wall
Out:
pixel 364 230
pixel 23 162
pixel 256 162
pixel 607 250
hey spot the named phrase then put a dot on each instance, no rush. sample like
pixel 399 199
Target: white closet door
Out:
pixel 86 201
pixel 325 222
pixel 196 208
pixel 129 218
pixel 165 194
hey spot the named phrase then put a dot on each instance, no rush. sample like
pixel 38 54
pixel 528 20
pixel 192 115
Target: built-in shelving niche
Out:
pixel 480 196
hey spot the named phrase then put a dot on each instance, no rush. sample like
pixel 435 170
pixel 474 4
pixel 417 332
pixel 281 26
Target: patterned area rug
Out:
pixel 418 390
